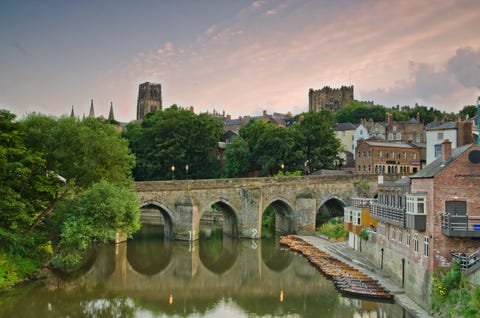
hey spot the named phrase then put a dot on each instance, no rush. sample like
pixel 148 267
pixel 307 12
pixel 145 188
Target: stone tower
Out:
pixel 329 98
pixel 149 99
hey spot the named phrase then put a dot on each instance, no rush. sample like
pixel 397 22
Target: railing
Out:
pixel 460 225
pixel 468 262
pixel 362 202
pixel 387 213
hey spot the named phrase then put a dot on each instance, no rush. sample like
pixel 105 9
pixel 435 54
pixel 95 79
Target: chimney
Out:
pixel 240 118
pixel 446 150
pixel 229 117
pixel 464 133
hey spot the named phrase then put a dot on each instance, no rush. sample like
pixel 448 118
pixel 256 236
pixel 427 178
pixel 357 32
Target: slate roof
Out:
pixel 429 171
pixel 444 126
pixel 343 126
pixel 387 144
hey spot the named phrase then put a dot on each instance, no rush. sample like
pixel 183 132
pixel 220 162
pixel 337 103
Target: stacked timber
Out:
pixel 348 280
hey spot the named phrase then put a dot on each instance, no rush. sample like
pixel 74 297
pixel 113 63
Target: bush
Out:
pixel 333 229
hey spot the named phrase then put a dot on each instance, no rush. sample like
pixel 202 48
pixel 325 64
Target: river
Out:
pixel 213 277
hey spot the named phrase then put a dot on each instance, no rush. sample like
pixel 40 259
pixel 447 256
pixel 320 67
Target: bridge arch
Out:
pixel 230 218
pixel 332 206
pixel 284 216
pixel 217 258
pixel 165 212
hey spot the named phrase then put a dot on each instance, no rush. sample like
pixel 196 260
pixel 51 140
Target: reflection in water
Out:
pixel 217 277
pixel 148 253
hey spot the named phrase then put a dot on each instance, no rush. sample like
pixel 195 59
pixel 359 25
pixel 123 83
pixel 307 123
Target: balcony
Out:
pixel 460 225
pixel 362 203
pixel 416 221
pixel 388 214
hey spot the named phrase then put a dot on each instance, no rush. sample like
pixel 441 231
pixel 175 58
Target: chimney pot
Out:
pixel 446 150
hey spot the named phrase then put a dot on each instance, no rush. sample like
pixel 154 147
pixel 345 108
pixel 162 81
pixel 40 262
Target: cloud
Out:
pixel 451 84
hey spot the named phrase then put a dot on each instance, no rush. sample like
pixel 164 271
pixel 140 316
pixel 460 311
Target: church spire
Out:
pixel 110 114
pixel 92 112
pixel 72 114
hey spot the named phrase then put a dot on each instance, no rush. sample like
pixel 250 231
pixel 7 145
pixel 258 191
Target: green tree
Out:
pixel 316 141
pixel 469 111
pixel 356 111
pixel 427 115
pixel 238 159
pixel 175 137
pixel 92 217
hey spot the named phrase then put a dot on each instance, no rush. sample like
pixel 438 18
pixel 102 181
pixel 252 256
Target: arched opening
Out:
pixel 218 229
pixel 273 257
pixel 219 218
pixel 331 209
pixel 154 216
pixel 148 253
pixel 277 218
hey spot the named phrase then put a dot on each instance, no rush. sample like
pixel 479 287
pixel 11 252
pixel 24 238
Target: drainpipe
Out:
pixel 478 120
pixel 403 272
pixel 381 264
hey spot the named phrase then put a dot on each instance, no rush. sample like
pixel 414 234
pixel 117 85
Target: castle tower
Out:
pixel 110 113
pixel 92 112
pixel 149 99
pixel 329 98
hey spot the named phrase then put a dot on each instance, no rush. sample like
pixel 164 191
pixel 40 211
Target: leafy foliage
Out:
pixel 175 137
pixel 269 150
pixel 453 295
pixel 94 216
pixel 333 229
pixel 44 163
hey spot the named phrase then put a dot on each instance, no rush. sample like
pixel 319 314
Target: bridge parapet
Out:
pixel 296 201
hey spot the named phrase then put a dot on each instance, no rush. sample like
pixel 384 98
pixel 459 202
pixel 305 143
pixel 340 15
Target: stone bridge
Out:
pixel 297 201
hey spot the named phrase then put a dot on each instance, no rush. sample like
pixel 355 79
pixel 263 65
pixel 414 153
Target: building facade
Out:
pixel 387 158
pixel 329 98
pixel 404 131
pixel 149 99
pixel 427 220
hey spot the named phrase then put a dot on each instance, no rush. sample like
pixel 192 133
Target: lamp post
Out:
pixel 186 170
pixel 173 172
pixel 282 166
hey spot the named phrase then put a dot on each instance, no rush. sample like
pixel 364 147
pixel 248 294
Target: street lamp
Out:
pixel 186 170
pixel 282 166
pixel 173 172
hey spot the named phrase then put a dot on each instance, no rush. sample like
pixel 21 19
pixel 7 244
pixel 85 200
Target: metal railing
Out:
pixel 387 213
pixel 460 225
pixel 362 202
pixel 468 262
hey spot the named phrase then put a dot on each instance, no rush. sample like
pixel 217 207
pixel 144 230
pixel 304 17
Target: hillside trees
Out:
pixel 175 137
pixel 308 145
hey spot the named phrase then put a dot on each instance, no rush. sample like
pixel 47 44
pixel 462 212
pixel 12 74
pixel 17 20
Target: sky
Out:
pixel 239 57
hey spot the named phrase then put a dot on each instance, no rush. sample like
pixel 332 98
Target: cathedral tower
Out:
pixel 149 99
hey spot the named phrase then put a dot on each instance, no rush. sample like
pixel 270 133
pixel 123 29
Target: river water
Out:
pixel 214 277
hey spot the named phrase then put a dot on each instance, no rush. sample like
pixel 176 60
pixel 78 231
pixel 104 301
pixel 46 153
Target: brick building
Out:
pixel 329 98
pixel 428 219
pixel 404 131
pixel 381 157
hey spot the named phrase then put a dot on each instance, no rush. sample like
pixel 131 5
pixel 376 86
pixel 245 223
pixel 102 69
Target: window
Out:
pixel 380 154
pixel 343 133
pixel 416 203
pixel 415 242
pixel 392 234
pixel 440 136
pixel 357 219
pixel 407 241
pixel 399 136
pixel 394 128
pixel 404 155
pixel 437 150
pixel 390 136
pixel 346 216
pixel 425 246
pixel 400 236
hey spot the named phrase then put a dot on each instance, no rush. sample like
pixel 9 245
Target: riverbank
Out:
pixel 346 254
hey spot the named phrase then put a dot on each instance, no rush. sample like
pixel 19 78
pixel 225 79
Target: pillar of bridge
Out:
pixel 250 213
pixel 187 260
pixel 305 210
pixel 187 220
